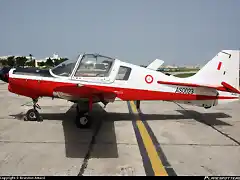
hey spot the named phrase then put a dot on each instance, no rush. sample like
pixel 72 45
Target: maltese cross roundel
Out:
pixel 148 79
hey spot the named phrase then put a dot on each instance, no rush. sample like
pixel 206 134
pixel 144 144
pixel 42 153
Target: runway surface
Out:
pixel 162 138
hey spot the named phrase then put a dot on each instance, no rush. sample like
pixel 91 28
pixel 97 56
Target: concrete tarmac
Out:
pixel 162 138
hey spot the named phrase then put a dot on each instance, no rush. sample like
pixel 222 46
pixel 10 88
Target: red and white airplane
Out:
pixel 93 78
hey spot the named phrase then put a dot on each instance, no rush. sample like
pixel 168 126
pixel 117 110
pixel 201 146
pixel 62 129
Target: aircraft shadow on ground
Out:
pixel 100 139
pixel 205 118
pixel 77 141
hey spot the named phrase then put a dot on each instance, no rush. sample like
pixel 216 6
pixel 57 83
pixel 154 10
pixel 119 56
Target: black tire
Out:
pixel 32 115
pixel 77 108
pixel 138 104
pixel 206 106
pixel 83 121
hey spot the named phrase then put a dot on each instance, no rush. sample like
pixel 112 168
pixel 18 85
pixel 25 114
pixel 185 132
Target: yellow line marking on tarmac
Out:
pixel 156 163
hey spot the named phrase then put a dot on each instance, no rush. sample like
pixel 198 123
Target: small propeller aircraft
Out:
pixel 94 78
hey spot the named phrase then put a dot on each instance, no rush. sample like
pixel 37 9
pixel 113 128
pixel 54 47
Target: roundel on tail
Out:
pixel 148 79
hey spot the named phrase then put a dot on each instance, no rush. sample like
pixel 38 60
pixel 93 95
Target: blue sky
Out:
pixel 138 31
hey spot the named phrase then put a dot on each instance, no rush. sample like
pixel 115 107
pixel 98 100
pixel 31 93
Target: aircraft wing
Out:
pixel 224 86
pixel 155 64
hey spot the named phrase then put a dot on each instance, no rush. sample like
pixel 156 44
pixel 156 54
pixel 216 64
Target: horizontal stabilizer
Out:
pixel 230 88
pixel 155 64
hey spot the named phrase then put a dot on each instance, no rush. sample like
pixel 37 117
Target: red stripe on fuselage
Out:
pixel 35 88
pixel 138 94
pixel 220 88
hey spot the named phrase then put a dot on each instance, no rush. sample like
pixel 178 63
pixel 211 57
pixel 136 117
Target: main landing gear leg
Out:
pixel 83 119
pixel 33 114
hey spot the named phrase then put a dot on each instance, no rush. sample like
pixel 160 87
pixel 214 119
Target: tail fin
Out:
pixel 155 64
pixel 224 67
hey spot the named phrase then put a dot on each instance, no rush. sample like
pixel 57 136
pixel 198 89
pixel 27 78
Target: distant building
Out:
pixel 54 56
pixel 5 57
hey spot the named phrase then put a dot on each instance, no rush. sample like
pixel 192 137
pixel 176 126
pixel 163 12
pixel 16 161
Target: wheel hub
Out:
pixel 32 115
pixel 83 120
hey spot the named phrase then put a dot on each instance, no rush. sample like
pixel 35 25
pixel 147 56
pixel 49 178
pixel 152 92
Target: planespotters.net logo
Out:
pixel 222 178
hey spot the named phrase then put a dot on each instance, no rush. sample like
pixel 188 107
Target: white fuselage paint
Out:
pixel 135 81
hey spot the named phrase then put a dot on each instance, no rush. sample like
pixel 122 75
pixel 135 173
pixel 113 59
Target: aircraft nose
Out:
pixel 4 74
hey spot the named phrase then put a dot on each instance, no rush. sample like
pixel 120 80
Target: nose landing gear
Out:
pixel 33 114
pixel 83 119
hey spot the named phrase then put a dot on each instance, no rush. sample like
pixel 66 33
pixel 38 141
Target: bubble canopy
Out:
pixel 87 65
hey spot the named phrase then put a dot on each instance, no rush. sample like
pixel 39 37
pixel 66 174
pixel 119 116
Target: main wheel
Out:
pixel 32 115
pixel 83 121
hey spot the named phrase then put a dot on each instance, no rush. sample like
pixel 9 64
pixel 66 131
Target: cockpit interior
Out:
pixel 87 65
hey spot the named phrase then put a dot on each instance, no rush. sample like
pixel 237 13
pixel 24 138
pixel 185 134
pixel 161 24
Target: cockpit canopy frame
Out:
pixel 86 65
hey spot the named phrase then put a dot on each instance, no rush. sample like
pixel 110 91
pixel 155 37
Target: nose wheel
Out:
pixel 33 114
pixel 83 119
